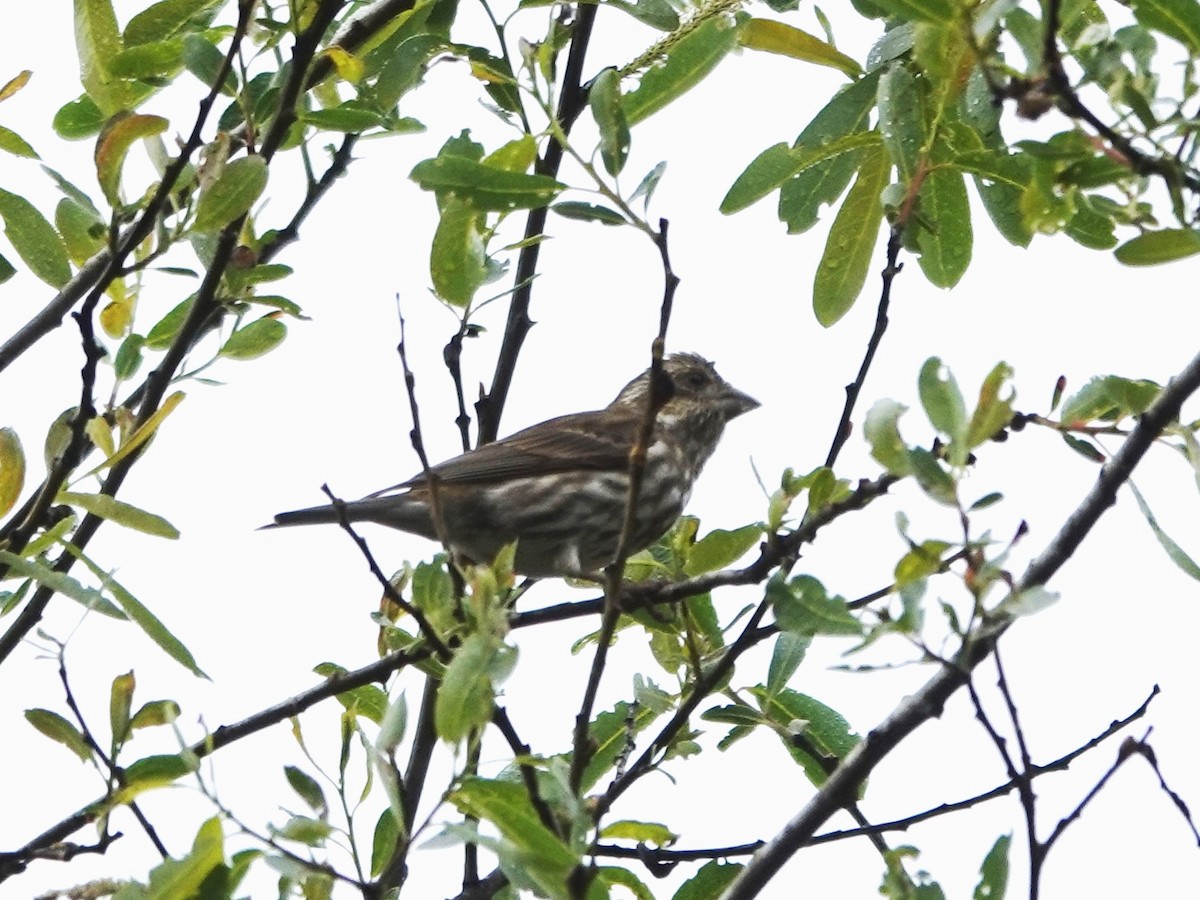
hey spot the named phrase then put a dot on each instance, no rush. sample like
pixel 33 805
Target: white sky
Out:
pixel 259 610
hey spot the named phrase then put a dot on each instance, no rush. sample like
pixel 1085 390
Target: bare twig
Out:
pixel 572 100
pixel 853 389
pixel 658 392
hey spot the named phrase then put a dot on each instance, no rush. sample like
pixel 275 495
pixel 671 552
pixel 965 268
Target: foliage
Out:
pixel 925 132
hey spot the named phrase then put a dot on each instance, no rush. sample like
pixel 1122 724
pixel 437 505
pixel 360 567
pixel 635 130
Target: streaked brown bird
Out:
pixel 560 488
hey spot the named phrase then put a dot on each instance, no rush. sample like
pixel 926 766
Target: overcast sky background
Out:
pixel 259 610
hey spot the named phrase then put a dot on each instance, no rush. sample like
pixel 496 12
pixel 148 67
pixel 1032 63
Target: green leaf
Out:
pixel 7 269
pixel 946 244
pixel 82 231
pixel 995 167
pixel 232 194
pixel 1177 554
pixel 345 118
pixel 79 119
pixel 710 882
pixel 789 652
pixel 120 706
pixel 533 857
pixel 165 329
pixel 121 513
pixel 803 607
pixel 720 548
pixel 655 13
pixel 368 701
pixel 140 615
pixel 1110 398
pixel 944 405
pixel 776 37
pixel 843 268
pixel 153 772
pixel 777 164
pixel 457 259
pixel 604 97
pixel 205 61
pixel 1179 19
pixel 168 18
pixel 1154 247
pixel 13 143
pixel 405 66
pixel 615 876
pixel 55 727
pixel 902 118
pixel 801 197
pixel 252 341
pixel 933 479
pixel 466 697
pixel 588 212
pixel 1026 603
pixel 384 841
pixel 307 831
pixel 993 874
pixel 12 470
pixel 642 832
pixel 186 877
pixel 609 733
pixel 686 64
pixel 308 789
pixel 937 11
pixel 59 582
pixel 35 240
pixel 485 187
pixel 1090 227
pixel 822 731
pixel 113 144
pixel 1086 449
pixel 993 412
pixel 882 431
pixel 98 42
pixel 154 60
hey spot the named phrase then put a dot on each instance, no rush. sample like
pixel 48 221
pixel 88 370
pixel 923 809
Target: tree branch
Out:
pixel 929 701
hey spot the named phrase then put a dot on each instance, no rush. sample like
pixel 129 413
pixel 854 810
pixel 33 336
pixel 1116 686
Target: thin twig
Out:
pixel 658 393
pixel 853 389
pixel 929 700
pixel 43 845
pixel 571 103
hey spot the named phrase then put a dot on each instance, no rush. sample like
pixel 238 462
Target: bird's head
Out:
pixel 697 397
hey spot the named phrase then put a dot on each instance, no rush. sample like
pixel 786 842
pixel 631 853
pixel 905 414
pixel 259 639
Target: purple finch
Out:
pixel 560 488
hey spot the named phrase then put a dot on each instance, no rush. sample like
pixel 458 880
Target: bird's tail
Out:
pixel 394 511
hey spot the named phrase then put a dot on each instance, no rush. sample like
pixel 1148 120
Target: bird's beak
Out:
pixel 736 403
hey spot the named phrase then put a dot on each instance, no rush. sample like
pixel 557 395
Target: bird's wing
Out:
pixel 595 441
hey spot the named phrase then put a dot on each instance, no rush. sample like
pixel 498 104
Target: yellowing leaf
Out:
pixel 12 469
pixel 14 84
pixel 115 318
pixel 114 142
pixel 144 433
pixel 100 434
pixel 349 67
pixel 776 37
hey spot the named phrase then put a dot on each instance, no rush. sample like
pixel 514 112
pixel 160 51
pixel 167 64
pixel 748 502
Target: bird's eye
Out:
pixel 693 379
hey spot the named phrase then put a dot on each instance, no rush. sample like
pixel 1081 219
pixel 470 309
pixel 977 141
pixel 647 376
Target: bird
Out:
pixel 559 489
